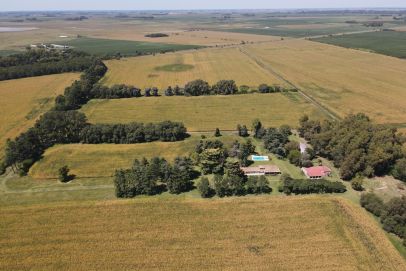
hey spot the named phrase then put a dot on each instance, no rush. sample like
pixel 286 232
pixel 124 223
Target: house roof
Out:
pixel 262 168
pixel 317 171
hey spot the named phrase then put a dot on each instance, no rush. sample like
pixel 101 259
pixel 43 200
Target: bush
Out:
pixel 217 133
pixel 197 88
pixel 394 217
pixel 372 203
pixel 258 185
pixel 204 188
pixel 399 170
pixel 3 167
pixel 63 174
pixel 357 183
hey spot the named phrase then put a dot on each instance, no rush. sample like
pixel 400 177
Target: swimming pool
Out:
pixel 259 158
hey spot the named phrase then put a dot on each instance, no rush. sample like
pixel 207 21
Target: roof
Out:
pixel 262 168
pixel 317 171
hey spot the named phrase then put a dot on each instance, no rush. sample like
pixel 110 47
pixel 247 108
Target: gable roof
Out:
pixel 317 171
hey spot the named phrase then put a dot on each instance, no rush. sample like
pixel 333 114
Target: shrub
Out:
pixel 63 174
pixel 357 183
pixel 3 167
pixel 291 186
pixel 217 133
pixel 372 203
pixel 399 170
pixel 258 185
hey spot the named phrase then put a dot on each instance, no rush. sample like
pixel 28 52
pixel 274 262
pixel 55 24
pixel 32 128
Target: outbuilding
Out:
pixel 317 172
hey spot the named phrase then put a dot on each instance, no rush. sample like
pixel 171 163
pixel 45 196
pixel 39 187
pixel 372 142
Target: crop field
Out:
pixel 211 65
pixel 391 43
pixel 343 80
pixel 103 159
pixel 277 233
pixel 22 101
pixel 205 113
pixel 127 48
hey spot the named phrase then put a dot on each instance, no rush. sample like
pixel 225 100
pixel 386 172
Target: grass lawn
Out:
pixel 204 113
pixel 255 233
pixel 391 43
pixel 126 48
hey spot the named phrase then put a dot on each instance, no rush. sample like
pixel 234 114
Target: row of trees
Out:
pixel 155 176
pixel 392 214
pixel 166 131
pixel 43 62
pixel 222 87
pixel 357 146
pixel 291 186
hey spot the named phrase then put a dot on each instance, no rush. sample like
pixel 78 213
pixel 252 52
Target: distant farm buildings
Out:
pixel 261 170
pixel 317 172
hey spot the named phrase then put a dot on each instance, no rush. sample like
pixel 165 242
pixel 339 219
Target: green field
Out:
pixel 126 48
pixel 391 43
pixel 204 113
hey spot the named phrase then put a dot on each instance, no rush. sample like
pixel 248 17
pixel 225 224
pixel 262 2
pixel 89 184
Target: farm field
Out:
pixel 147 234
pixel 391 43
pixel 22 101
pixel 343 80
pixel 205 113
pixel 103 160
pixel 211 65
pixel 103 47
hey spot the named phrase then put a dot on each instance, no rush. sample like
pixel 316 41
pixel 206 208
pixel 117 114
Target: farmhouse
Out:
pixel 317 172
pixel 261 170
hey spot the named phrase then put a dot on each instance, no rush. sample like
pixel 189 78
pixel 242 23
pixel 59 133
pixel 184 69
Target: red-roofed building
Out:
pixel 317 172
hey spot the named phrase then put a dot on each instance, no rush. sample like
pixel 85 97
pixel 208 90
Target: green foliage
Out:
pixel 197 88
pixel 275 140
pixel 211 156
pixel 258 185
pixel 394 217
pixel 372 203
pixel 217 133
pixel 244 151
pixel 115 92
pixel 399 170
pixel 257 129
pixel 291 186
pixel 225 87
pixel 3 167
pixel 41 62
pixel 356 145
pixel 294 157
pixel 63 174
pixel 357 183
pixel 242 130
pixel 204 188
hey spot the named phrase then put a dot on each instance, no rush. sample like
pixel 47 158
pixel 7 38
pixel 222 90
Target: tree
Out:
pixel 197 88
pixel 178 181
pixel 204 188
pixel 169 91
pixel 63 174
pixel 394 216
pixel 372 203
pixel 399 170
pixel 155 92
pixel 147 92
pixel 258 185
pixel 225 87
pixel 212 160
pixel 245 150
pixel 294 157
pixel 264 88
pixel 242 131
pixel 221 186
pixel 257 129
pixel 217 133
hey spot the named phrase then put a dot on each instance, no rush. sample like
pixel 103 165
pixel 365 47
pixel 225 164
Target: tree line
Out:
pixel 392 214
pixel 65 127
pixel 357 146
pixel 43 62
pixel 293 186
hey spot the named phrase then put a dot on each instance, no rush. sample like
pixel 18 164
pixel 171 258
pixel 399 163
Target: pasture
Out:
pixel 211 65
pixel 22 101
pixel 102 160
pixel 101 47
pixel 391 43
pixel 343 80
pixel 256 233
pixel 205 113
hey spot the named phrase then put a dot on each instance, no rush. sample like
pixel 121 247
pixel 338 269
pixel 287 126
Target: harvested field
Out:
pixel 280 233
pixel 210 64
pixel 205 113
pixel 103 159
pixel 22 101
pixel 343 80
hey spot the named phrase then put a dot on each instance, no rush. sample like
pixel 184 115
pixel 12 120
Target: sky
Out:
pixel 21 5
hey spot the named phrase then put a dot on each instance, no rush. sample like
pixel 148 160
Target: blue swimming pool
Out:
pixel 257 158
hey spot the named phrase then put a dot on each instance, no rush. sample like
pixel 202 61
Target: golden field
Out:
pixel 257 233
pixel 205 113
pixel 211 65
pixel 103 159
pixel 22 101
pixel 344 80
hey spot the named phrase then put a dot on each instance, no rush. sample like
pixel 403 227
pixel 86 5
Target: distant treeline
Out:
pixel 157 35
pixel 36 62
